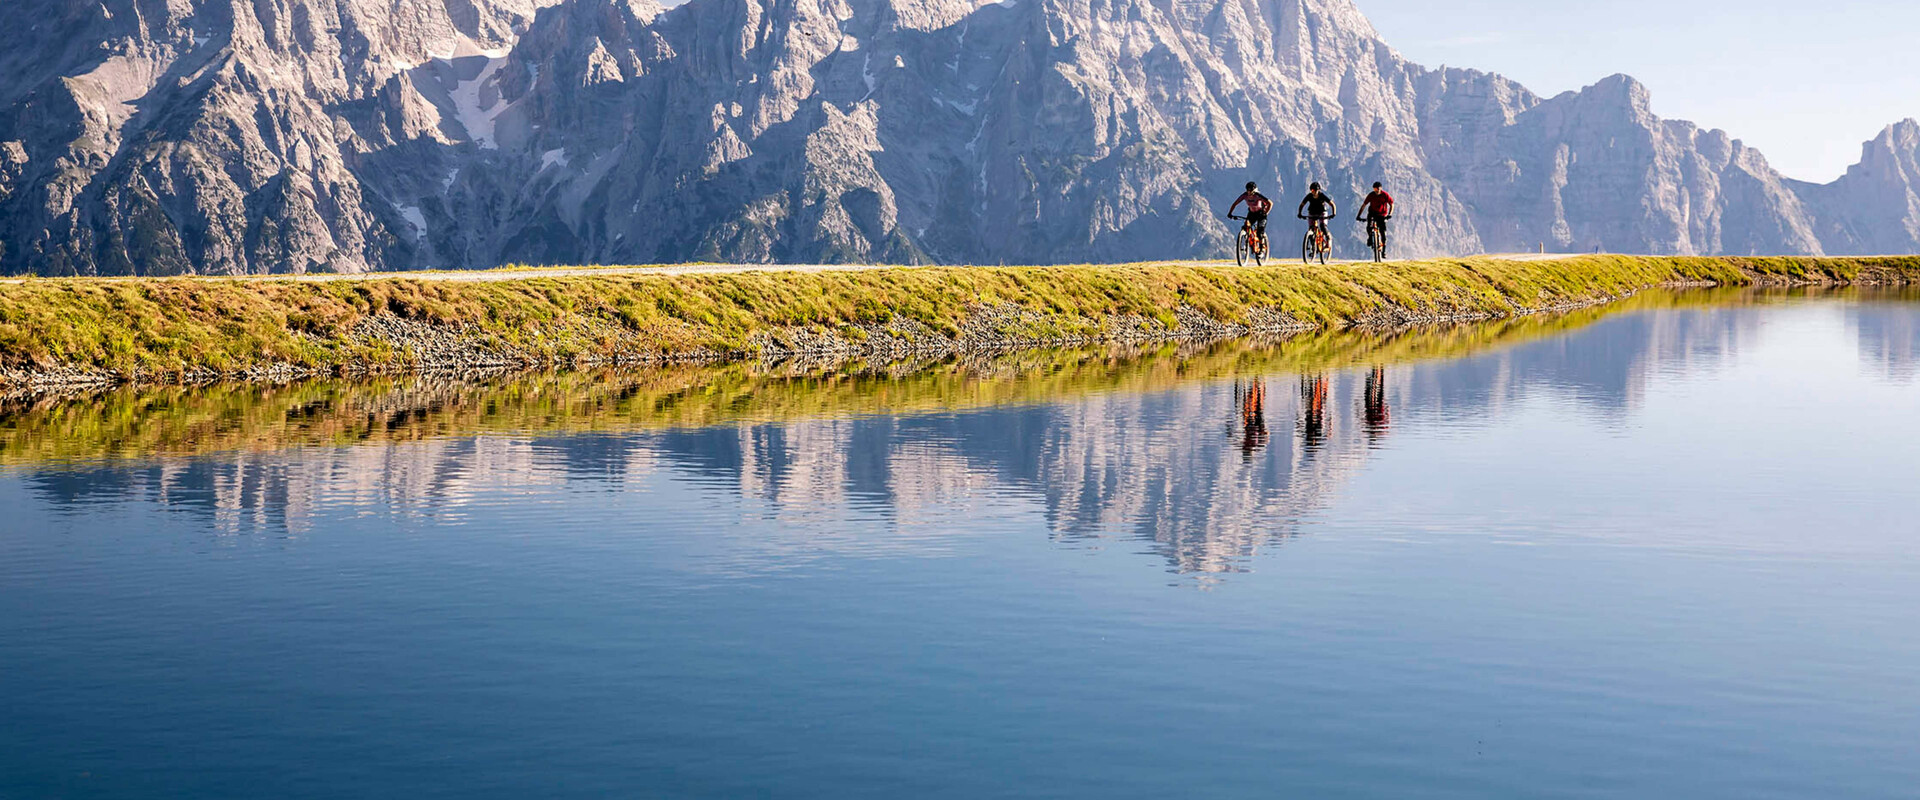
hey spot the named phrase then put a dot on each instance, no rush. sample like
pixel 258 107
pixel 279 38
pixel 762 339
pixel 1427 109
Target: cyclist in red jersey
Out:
pixel 1258 206
pixel 1377 208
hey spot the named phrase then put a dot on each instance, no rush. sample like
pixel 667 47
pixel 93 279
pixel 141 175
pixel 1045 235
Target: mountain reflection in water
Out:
pixel 1201 454
pixel 1889 337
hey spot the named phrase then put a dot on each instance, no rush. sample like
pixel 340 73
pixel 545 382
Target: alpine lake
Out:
pixel 1668 548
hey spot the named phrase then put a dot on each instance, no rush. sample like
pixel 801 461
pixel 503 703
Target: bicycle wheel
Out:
pixel 1325 245
pixel 1306 248
pixel 1240 249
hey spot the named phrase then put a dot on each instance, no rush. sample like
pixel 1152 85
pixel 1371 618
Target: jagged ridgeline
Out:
pixel 265 136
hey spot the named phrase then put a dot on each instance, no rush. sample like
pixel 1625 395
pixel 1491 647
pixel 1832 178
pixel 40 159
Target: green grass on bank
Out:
pixel 148 421
pixel 165 327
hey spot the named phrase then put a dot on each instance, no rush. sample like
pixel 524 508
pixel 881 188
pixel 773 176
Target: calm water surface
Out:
pixel 1669 552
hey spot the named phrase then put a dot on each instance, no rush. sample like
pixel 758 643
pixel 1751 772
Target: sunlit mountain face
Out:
pixel 292 136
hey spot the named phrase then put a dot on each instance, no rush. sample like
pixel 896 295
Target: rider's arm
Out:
pixel 1302 211
pixel 1236 204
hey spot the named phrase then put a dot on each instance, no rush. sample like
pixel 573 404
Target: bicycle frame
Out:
pixel 1252 236
pixel 1377 237
pixel 1318 241
pixel 1319 225
pixel 1250 241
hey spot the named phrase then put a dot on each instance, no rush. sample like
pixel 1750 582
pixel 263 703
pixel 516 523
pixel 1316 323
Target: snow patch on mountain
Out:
pixel 478 103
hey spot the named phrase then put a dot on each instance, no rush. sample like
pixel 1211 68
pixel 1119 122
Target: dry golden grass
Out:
pixel 144 421
pixel 155 328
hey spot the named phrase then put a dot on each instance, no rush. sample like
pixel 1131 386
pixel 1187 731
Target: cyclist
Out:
pixel 1258 206
pixel 1317 209
pixel 1377 208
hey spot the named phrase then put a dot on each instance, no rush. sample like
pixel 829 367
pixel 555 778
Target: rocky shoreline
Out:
pixel 66 335
pixel 451 349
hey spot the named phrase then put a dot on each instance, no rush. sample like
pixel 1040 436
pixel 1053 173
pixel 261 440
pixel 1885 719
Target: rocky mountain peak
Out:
pixel 234 136
pixel 1875 207
pixel 1893 152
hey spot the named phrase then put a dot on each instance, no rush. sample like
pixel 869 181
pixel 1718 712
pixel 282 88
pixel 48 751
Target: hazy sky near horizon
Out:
pixel 1805 82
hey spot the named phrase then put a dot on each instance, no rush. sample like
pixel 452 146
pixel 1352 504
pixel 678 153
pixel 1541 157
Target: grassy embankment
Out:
pixel 140 422
pixel 163 329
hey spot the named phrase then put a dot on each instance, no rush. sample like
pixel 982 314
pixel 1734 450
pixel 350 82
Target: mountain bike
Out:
pixel 1318 244
pixel 1377 239
pixel 1248 243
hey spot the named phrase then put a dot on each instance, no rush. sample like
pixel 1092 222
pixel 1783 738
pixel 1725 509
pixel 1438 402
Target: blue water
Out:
pixel 1670 554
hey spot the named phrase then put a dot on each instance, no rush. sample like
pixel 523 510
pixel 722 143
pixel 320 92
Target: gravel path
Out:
pixel 511 274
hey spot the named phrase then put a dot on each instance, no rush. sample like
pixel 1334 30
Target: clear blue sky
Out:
pixel 1805 82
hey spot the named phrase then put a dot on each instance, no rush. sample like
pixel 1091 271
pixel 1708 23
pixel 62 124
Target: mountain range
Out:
pixel 168 137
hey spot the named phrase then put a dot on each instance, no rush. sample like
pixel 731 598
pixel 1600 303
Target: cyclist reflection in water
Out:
pixel 1374 411
pixel 1253 417
pixel 1313 410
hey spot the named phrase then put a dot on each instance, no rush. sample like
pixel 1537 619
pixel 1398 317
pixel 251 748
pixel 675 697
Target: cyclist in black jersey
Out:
pixel 1317 208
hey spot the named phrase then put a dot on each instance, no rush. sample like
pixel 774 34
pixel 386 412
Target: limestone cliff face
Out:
pixel 1875 208
pixel 213 136
pixel 1596 170
pixel 248 136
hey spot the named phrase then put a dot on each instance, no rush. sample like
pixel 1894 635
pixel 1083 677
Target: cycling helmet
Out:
pixel 1378 185
pixel 1252 186
pixel 1314 188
